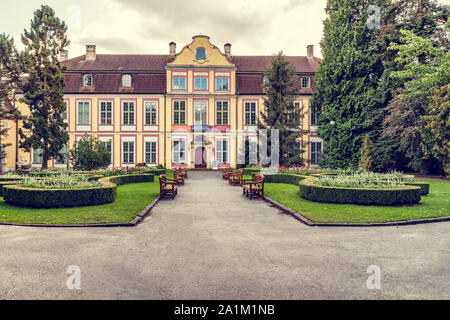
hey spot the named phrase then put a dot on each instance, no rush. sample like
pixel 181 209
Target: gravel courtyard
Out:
pixel 212 243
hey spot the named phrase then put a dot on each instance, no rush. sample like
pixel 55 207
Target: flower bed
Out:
pixel 103 192
pixel 365 180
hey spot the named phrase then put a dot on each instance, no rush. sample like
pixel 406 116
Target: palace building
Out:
pixel 191 107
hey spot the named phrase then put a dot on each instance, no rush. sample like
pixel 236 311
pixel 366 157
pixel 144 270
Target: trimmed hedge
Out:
pixel 367 196
pixel 6 183
pixel 250 171
pixel 57 198
pixel 156 172
pixel 424 187
pixel 6 178
pixel 284 178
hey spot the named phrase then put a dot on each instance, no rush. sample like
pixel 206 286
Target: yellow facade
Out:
pixel 216 68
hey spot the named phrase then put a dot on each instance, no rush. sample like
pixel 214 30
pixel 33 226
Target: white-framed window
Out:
pixel 150 152
pixel 200 83
pixel 88 80
pixel 306 82
pixel 3 154
pixel 179 112
pixel 108 145
pixel 127 151
pixel 179 151
pixel 222 151
pixel 126 81
pixel 84 113
pixel 128 109
pixel 37 156
pixel 200 112
pixel 222 109
pixel 296 113
pixel 179 82
pixel 316 152
pixel 315 116
pixel 66 111
pixel 5 127
pixel 150 113
pixel 250 113
pixel 106 112
pixel 63 153
pixel 222 83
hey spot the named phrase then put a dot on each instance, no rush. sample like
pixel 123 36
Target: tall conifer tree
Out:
pixel 9 75
pixel 43 92
pixel 281 85
pixel 346 79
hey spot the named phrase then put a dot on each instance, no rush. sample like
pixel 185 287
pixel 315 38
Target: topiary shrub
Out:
pixel 366 196
pixel 424 187
pixel 250 171
pixel 284 178
pixel 56 198
pixel 6 183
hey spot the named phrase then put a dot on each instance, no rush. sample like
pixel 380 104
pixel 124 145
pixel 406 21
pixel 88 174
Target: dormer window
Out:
pixel 306 82
pixel 200 54
pixel 87 80
pixel 126 81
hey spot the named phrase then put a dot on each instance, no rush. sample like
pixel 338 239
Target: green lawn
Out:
pixel 131 199
pixel 436 204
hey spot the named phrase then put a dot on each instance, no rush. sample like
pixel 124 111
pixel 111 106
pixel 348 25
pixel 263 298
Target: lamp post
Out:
pixel 331 138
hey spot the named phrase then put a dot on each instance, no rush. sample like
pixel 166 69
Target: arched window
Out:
pixel 87 80
pixel 200 54
pixel 126 81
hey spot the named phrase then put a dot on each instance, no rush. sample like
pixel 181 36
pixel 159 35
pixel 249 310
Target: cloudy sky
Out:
pixel 253 27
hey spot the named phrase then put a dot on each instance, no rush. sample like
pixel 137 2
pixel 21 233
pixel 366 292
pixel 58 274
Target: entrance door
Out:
pixel 200 157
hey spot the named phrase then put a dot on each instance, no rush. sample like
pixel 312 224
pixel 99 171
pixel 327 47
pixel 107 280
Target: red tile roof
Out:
pixel 111 83
pixel 149 76
pixel 119 62
pixel 261 63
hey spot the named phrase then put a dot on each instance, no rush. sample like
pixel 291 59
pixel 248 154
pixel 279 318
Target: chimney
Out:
pixel 63 55
pixel 310 52
pixel 172 49
pixel 227 48
pixel 90 52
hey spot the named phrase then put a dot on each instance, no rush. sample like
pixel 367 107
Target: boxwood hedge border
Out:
pixel 57 198
pixel 361 196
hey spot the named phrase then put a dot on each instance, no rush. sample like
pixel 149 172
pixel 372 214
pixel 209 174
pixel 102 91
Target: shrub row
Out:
pixel 284 178
pixel 250 171
pixel 54 198
pixel 367 196
pixel 424 187
pixel 6 183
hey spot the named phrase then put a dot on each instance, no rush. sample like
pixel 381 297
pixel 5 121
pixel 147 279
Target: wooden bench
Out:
pixel 179 176
pixel 253 187
pixel 167 188
pixel 235 177
pixel 182 171
pixel 226 173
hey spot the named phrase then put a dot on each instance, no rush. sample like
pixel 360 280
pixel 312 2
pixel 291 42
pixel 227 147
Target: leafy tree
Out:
pixel 346 80
pixel 280 113
pixel 89 154
pixel 437 127
pixel 426 74
pixel 366 161
pixel 44 128
pixel 423 18
pixel 9 75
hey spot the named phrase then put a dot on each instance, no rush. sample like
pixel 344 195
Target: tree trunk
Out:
pixel 44 160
